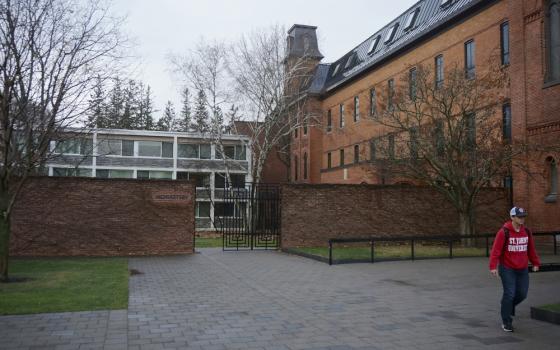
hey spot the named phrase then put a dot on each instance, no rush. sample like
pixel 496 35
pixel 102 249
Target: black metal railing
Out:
pixel 449 239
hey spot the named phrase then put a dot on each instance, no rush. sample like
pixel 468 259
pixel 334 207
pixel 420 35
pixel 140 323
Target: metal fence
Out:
pixel 450 240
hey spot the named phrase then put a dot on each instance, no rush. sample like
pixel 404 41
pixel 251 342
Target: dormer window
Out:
pixel 411 20
pixel 391 33
pixel 373 45
pixel 446 2
pixel 349 61
pixel 336 69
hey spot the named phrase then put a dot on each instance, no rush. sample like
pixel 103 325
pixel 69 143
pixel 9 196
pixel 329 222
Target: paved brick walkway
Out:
pixel 273 301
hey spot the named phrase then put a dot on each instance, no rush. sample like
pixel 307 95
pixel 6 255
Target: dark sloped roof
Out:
pixel 431 16
pixel 319 79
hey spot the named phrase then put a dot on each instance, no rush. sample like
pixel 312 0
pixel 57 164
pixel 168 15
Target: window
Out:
pixel 200 179
pixel 373 45
pixel 296 168
pixel 185 150
pixel 128 148
pixel 391 33
pixel 222 209
pixel 305 166
pixel 229 151
pixel 504 41
pixel 151 174
pixel 205 151
pixel 110 148
pixel 469 60
pixel 182 175
pixel 553 181
pixel 114 174
pixel 341 157
pixel 411 20
pixel 506 114
pixel 412 84
pixel 336 69
pixel 295 132
pixel 372 102
pixel 329 121
pixel 329 160
pixel 167 149
pixel 202 209
pixel 64 172
pixel 356 154
pixel 149 149
pixel 71 146
pixel 240 152
pixel 553 39
pixel 446 2
pixel 237 180
pixel 305 128
pixel 350 61
pixel 341 112
pixel 372 149
pixel 439 71
pixel 508 182
pixel 390 93
pixel 356 108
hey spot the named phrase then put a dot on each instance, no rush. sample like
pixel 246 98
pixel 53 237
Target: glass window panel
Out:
pixel 182 175
pixel 161 175
pixel 121 174
pixel 240 153
pixel 167 149
pixel 84 172
pixel 149 148
pixel 187 151
pixel 128 148
pixel 86 147
pixel 142 174
pixel 205 151
pixel 102 173
pixel 110 148
pixel 68 146
pixel 59 172
pixel 201 179
pixel 223 209
pixel 203 209
pixel 219 180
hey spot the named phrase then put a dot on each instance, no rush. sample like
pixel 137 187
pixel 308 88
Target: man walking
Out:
pixel 513 248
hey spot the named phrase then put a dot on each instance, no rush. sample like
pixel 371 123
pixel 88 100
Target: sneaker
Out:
pixel 507 327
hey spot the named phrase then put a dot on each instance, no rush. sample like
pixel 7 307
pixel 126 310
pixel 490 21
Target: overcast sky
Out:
pixel 162 26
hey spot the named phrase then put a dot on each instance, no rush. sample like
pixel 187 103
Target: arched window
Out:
pixel 305 166
pixel 553 36
pixel 552 180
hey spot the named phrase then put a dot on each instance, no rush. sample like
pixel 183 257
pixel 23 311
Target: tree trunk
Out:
pixel 466 227
pixel 4 247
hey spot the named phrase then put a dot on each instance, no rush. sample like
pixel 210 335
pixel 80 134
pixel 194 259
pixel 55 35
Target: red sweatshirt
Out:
pixel 519 250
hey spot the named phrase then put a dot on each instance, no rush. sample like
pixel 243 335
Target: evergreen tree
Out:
pixel 201 113
pixel 115 107
pixel 96 115
pixel 185 120
pixel 231 117
pixel 168 119
pixel 129 118
pixel 147 117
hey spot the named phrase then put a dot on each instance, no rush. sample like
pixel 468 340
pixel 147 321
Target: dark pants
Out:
pixel 516 286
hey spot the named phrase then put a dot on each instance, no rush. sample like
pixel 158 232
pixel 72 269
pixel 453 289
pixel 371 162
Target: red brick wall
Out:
pixel 312 214
pixel 101 217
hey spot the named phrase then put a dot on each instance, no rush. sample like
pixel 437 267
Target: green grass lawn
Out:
pixel 392 252
pixel 65 284
pixel 551 307
pixel 200 242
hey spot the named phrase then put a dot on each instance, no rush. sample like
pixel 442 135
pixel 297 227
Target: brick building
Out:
pixel 523 34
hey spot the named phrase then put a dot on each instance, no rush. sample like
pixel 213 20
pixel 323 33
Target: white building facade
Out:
pixel 140 154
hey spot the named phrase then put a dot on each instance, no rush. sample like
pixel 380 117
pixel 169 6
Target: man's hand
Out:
pixel 535 268
pixel 494 272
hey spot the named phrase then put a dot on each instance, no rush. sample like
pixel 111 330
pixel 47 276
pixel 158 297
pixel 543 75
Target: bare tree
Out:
pixel 271 91
pixel 446 134
pixel 52 53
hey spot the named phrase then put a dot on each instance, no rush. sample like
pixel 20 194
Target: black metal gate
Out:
pixel 249 217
